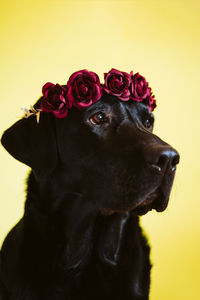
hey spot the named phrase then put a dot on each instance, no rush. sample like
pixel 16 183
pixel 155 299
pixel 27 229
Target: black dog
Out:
pixel 93 174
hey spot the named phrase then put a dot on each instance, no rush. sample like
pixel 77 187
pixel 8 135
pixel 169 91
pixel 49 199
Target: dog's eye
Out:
pixel 98 118
pixel 148 123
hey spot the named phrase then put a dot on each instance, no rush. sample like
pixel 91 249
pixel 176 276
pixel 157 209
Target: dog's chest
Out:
pixel 112 268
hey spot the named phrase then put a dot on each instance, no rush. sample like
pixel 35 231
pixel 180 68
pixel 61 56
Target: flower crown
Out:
pixel 84 88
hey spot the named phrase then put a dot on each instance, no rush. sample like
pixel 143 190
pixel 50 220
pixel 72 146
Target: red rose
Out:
pixel 84 88
pixel 117 84
pixel 151 102
pixel 55 100
pixel 139 87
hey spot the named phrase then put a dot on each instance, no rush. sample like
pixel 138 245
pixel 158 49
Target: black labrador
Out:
pixel 93 174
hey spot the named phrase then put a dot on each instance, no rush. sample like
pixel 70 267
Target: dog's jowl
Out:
pixel 96 167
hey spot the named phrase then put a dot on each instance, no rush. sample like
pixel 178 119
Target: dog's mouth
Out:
pixel 139 194
pixel 158 199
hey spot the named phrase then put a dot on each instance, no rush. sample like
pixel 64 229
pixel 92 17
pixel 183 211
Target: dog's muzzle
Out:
pixel 162 161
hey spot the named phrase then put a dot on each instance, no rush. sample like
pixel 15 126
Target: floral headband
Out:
pixel 84 88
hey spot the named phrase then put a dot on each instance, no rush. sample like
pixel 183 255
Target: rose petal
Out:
pixel 59 114
pixel 46 87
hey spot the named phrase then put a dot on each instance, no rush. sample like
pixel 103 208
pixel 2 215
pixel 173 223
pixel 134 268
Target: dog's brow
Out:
pixel 129 114
pixel 123 110
pixel 94 108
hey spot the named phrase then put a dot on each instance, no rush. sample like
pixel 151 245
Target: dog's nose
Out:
pixel 162 158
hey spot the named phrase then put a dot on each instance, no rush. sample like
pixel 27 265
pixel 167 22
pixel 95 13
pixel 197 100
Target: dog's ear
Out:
pixel 32 143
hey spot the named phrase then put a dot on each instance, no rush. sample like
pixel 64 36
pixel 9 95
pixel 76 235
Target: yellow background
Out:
pixel 48 40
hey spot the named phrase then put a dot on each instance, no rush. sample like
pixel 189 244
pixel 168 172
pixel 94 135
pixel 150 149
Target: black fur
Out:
pixel 80 237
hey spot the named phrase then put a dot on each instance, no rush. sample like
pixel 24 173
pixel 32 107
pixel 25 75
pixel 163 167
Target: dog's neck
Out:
pixel 110 238
pixel 75 225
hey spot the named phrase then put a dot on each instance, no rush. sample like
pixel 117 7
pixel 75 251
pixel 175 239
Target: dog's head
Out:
pixel 107 152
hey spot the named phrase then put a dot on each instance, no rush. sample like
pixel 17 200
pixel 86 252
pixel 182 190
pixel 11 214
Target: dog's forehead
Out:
pixel 112 104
